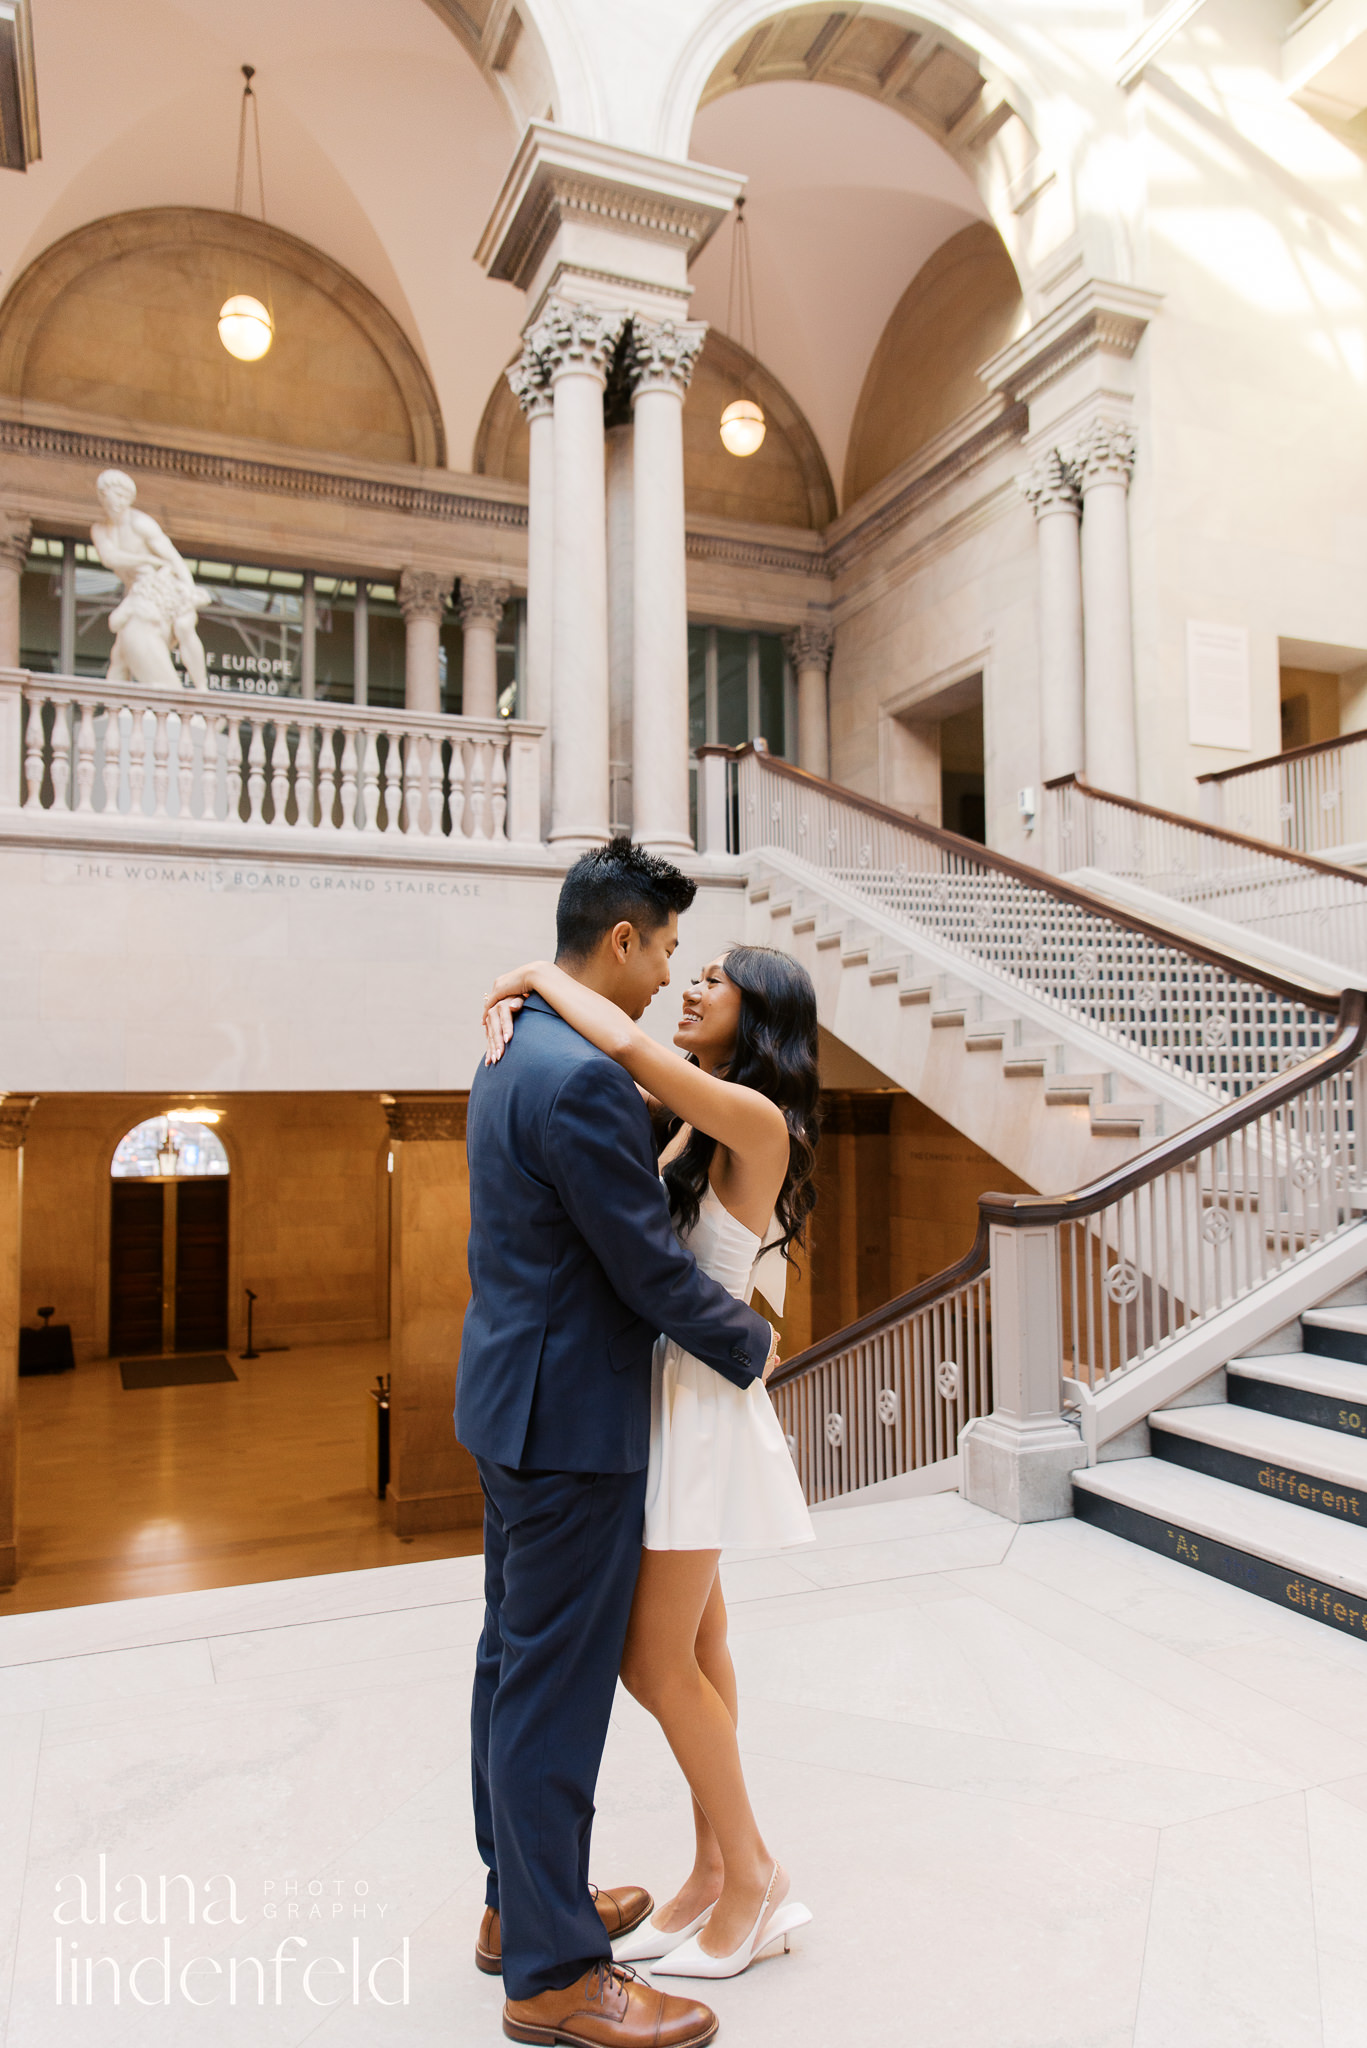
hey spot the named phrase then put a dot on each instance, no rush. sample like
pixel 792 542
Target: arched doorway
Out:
pixel 168 1237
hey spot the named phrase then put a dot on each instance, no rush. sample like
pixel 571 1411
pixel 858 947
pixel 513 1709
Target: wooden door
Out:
pixel 135 1265
pixel 201 1265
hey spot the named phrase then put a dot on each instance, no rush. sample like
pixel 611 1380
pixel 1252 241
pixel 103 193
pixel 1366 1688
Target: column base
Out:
pixel 568 840
pixel 1022 1471
pixel 667 848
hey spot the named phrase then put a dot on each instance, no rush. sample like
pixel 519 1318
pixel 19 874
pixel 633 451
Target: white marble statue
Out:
pixel 161 601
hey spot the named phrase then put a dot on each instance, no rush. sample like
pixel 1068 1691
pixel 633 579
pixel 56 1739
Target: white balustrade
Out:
pixel 891 1394
pixel 1283 895
pixel 1196 1011
pixel 218 764
pixel 1311 800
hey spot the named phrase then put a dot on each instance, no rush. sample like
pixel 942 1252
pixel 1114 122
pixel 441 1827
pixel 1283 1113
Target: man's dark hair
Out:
pixel 613 883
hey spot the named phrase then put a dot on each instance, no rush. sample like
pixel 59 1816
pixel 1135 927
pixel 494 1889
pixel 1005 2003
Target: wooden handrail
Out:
pixel 1324 1000
pixel 1261 846
pixel 1345 739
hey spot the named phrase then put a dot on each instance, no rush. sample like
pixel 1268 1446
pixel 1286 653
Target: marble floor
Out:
pixel 1039 1788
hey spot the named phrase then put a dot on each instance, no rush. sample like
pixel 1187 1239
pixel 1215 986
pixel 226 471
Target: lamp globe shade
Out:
pixel 245 328
pixel 742 427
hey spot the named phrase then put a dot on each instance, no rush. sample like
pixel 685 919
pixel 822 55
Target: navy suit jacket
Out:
pixel 574 1265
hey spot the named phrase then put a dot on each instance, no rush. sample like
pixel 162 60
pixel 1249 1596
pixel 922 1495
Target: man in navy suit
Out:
pixel 574 1272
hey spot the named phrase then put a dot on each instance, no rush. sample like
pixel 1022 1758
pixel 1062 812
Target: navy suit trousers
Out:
pixel 561 1554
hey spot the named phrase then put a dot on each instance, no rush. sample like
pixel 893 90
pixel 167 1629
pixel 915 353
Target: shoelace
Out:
pixel 606 1975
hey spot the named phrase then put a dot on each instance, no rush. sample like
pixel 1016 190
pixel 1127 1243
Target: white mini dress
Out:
pixel 720 1474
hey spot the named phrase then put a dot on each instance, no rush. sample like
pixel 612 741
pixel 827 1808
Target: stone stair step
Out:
pixel 856 954
pixel 1318 1469
pixel 1336 1333
pixel 1315 1564
pixel 916 992
pixel 948 1016
pixel 804 921
pixel 1074 1087
pixel 986 1038
pixel 780 906
pixel 759 892
pixel 1330 1393
pixel 1133 1116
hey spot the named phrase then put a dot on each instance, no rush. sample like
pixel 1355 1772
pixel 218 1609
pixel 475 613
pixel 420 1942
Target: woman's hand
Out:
pixel 772 1362
pixel 502 1004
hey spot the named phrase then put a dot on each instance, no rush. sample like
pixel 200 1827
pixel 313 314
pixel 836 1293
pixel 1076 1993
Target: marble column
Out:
pixel 422 600
pixel 809 650
pixel 577 343
pixel 432 1479
pixel 14 1116
pixel 529 378
pixel 1051 489
pixel 1103 463
pixel 481 605
pixel 663 353
pixel 14 544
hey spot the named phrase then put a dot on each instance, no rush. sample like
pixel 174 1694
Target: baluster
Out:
pixel 370 780
pixel 61 754
pixel 349 780
pixel 457 788
pixel 256 773
pixel 104 725
pixel 393 784
pixel 33 754
pixel 185 764
pixel 280 774
pixel 213 723
pixel 499 750
pixel 479 821
pixel 137 760
pixel 233 744
pixel 161 757
pixel 327 778
pixel 84 716
pixel 411 817
pixel 303 778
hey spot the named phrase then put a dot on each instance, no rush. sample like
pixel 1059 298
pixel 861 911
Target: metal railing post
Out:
pixel 1019 1460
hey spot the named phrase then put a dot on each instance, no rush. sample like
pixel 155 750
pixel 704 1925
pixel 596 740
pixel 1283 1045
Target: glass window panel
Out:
pixel 252 638
pixel 771 690
pixel 171 1147
pixel 334 643
pixel 40 614
pixel 697 686
pixel 451 661
pixel 385 643
pixel 733 662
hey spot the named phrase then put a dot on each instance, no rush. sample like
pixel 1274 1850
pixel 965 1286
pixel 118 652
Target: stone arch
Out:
pixel 786 484
pixel 960 309
pixel 930 63
pixel 119 319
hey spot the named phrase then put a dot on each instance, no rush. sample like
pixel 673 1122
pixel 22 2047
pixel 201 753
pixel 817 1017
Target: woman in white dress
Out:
pixel 740 1122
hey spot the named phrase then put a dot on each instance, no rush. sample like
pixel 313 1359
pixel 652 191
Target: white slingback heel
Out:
pixel 691 1960
pixel 644 1944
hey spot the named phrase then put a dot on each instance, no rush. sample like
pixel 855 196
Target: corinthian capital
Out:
pixel 810 645
pixel 663 353
pixel 1103 453
pixel 15 535
pixel 423 594
pixel 481 601
pixel 1051 485
pixel 575 338
pixel 530 382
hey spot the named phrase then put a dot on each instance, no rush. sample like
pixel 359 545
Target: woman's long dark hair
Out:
pixel 776 1053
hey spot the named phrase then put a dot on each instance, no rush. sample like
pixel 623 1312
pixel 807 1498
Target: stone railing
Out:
pixel 103 757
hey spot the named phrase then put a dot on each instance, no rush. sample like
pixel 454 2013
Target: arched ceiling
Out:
pixel 845 203
pixel 384 148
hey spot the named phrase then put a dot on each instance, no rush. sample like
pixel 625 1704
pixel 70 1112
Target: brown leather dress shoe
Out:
pixel 609 2007
pixel 620 1910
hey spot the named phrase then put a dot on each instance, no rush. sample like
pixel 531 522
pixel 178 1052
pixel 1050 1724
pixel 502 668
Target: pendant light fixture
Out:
pixel 246 327
pixel 742 423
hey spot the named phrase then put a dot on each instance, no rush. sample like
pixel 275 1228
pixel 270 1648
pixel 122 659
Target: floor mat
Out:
pixel 175 1372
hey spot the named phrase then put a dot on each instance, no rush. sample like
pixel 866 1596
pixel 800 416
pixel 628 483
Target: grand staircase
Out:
pixel 1260 1477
